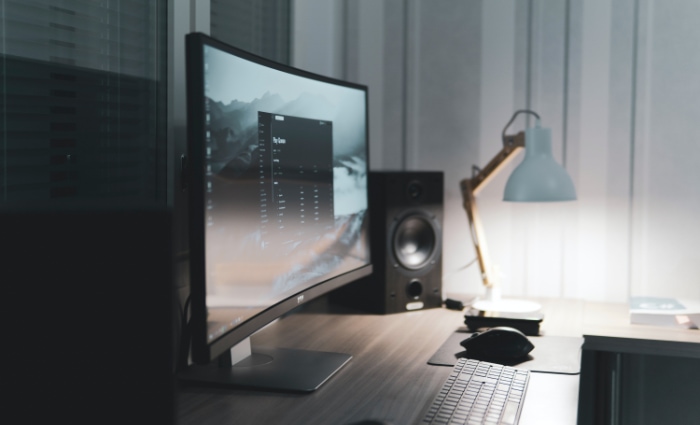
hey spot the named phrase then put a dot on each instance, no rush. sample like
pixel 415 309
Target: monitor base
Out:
pixel 271 369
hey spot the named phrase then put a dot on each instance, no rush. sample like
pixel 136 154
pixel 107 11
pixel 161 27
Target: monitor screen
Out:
pixel 278 163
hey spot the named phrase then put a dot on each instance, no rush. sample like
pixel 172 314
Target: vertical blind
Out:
pixel 82 101
pixel 261 27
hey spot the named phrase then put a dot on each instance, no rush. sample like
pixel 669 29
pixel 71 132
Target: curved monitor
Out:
pixel 278 163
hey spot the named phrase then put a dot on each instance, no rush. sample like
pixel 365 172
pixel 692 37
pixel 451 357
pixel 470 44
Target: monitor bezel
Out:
pixel 204 352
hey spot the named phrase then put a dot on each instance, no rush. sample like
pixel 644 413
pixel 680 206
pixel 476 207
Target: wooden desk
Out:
pixel 388 377
pixel 636 374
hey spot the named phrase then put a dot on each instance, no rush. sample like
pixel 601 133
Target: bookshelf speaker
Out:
pixel 406 214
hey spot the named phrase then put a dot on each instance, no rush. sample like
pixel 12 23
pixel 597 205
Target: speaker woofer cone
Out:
pixel 415 242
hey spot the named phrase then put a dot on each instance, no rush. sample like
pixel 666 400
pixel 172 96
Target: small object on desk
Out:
pixel 670 312
pixel 527 323
pixel 452 304
pixel 499 343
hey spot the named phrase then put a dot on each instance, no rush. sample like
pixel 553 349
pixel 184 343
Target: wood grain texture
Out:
pixel 388 377
pixel 611 320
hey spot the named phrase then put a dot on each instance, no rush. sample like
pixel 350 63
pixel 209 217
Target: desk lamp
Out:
pixel 538 178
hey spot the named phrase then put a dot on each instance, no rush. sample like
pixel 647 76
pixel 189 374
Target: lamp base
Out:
pixel 493 311
pixel 527 323
pixel 507 306
pixel 494 303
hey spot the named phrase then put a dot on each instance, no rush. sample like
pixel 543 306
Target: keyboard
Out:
pixel 478 392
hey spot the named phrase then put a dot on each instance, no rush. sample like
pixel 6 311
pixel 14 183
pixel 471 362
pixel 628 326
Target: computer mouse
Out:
pixel 499 343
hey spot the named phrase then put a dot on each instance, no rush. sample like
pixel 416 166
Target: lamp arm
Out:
pixel 471 186
pixel 511 146
pixel 477 232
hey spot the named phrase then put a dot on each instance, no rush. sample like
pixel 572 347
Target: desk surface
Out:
pixel 388 377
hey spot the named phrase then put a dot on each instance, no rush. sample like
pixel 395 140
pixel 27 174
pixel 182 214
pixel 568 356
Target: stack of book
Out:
pixel 665 312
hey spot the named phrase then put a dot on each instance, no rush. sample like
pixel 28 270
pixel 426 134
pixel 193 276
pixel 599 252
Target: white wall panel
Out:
pixel 593 253
pixel 395 60
pixel 443 126
pixel 523 51
pixel 618 81
pixel 542 243
pixel 370 70
pixel 619 150
pixel 665 253
pixel 318 35
pixel 498 100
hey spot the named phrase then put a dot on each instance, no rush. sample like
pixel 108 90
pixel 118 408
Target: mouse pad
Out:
pixel 552 354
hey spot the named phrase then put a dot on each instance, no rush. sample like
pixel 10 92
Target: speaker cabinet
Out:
pixel 406 214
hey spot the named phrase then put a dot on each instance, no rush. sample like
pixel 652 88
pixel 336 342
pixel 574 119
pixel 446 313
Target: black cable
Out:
pixel 518 112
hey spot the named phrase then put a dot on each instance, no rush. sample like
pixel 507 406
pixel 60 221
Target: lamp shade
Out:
pixel 539 178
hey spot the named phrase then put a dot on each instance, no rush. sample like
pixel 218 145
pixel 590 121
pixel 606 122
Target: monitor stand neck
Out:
pixel 238 352
pixel 241 355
